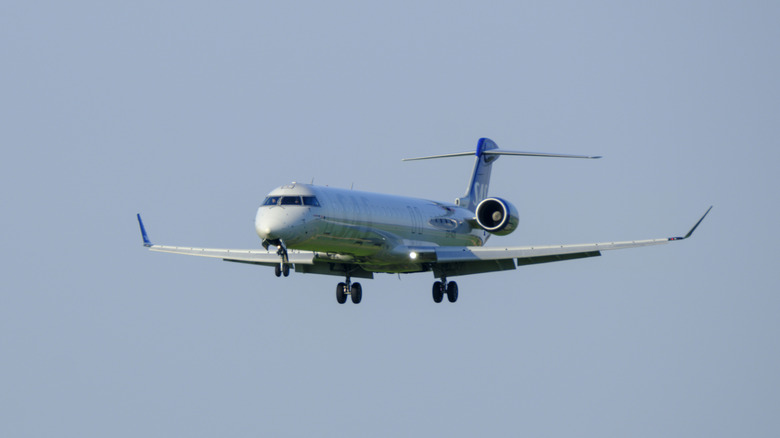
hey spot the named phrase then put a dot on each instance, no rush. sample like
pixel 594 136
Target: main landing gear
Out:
pixel 444 287
pixel 347 288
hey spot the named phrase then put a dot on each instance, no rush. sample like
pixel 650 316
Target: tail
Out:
pixel 477 189
pixel 487 153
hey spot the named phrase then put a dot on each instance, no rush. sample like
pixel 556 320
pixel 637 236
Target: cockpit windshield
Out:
pixel 290 200
pixel 271 200
pixel 309 201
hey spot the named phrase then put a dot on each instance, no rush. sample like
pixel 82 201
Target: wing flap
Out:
pixel 477 253
pixel 466 267
pixel 556 258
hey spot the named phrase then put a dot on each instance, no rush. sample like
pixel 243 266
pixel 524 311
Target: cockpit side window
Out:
pixel 311 201
pixel 271 200
pixel 291 200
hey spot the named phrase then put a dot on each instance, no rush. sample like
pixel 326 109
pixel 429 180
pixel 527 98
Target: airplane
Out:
pixel 355 234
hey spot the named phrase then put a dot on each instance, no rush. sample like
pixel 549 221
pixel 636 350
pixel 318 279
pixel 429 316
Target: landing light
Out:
pixel 412 255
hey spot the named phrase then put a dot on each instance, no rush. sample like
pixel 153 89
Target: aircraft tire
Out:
pixel 452 291
pixel 438 292
pixel 356 293
pixel 278 270
pixel 286 270
pixel 341 296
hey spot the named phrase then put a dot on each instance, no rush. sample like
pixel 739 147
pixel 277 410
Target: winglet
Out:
pixel 147 242
pixel 694 227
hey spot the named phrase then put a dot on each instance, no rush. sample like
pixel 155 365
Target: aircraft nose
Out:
pixel 264 232
pixel 276 223
pixel 268 225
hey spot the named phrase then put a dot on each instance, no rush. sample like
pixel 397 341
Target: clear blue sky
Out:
pixel 190 112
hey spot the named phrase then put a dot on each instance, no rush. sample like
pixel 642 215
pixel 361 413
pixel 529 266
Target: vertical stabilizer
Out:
pixel 480 179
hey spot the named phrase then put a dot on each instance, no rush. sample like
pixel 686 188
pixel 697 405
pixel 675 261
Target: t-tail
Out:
pixel 477 189
pixel 488 152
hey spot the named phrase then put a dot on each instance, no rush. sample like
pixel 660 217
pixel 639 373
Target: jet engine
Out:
pixel 497 216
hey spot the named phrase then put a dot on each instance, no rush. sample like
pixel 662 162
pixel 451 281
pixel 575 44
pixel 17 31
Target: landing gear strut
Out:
pixel 347 288
pixel 444 287
pixel 282 252
pixel 283 268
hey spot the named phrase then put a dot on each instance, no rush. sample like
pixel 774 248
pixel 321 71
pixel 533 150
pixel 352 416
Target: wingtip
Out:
pixel 690 233
pixel 147 242
pixel 697 223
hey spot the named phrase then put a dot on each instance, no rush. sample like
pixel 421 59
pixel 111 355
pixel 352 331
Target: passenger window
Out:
pixel 291 200
pixel 271 200
pixel 311 201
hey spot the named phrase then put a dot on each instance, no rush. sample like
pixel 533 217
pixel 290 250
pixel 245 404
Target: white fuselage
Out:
pixel 370 228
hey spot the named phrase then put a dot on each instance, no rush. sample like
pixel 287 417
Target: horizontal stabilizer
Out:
pixel 503 152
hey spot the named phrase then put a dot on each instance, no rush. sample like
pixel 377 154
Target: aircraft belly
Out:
pixel 399 268
pixel 365 239
pixel 332 237
pixel 343 245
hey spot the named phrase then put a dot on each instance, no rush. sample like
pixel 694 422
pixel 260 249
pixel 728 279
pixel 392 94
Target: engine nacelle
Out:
pixel 497 216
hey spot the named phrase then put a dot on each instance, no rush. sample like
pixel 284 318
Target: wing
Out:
pixel 476 259
pixel 303 261
pixel 445 261
pixel 256 256
pixel 259 257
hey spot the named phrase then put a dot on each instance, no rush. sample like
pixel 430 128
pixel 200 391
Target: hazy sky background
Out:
pixel 190 112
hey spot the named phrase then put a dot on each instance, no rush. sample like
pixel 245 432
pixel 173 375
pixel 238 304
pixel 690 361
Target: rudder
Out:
pixel 480 178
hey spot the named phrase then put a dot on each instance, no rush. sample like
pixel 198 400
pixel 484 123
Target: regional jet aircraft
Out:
pixel 353 234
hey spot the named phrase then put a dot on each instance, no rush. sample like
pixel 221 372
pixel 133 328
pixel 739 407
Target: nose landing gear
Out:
pixel 283 268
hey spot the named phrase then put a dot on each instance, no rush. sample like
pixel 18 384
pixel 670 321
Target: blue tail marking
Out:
pixel 147 242
pixel 477 189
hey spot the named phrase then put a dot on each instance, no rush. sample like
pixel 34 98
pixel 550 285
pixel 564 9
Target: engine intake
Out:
pixel 497 216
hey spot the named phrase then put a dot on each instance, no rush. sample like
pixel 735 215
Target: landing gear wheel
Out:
pixel 356 292
pixel 438 292
pixel 341 293
pixel 286 270
pixel 452 291
pixel 278 270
